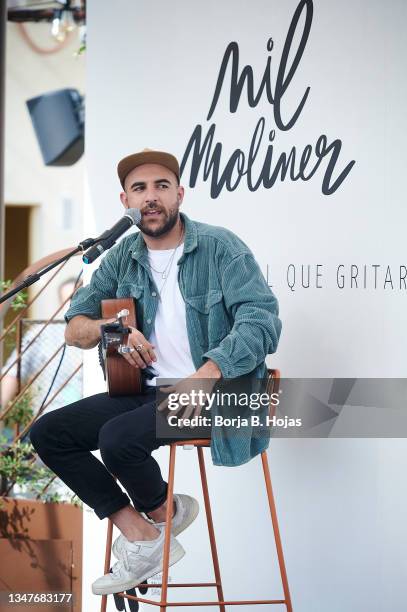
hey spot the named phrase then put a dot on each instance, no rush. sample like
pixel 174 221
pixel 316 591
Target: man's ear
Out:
pixel 123 198
pixel 180 194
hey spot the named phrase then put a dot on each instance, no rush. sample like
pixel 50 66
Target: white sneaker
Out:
pixel 186 511
pixel 137 562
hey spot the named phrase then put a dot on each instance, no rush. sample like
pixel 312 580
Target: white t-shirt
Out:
pixel 169 336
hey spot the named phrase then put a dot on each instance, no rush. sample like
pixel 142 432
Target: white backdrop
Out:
pixel 152 71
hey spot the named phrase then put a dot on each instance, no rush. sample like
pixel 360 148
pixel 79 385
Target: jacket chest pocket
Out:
pixel 129 290
pixel 209 318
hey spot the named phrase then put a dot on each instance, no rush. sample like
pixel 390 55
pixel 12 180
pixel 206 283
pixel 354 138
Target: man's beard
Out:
pixel 170 219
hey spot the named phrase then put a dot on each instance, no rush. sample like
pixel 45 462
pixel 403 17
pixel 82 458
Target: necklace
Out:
pixel 165 273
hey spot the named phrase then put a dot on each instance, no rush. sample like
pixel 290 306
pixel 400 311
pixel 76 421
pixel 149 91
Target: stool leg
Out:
pixel 211 531
pixel 168 522
pixel 276 530
pixel 108 553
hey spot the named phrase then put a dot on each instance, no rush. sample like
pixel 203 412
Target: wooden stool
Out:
pixel 199 444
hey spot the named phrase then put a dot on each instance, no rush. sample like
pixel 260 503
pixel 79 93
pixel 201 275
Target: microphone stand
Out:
pixel 33 278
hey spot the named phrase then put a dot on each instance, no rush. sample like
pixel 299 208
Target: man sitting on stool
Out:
pixel 204 312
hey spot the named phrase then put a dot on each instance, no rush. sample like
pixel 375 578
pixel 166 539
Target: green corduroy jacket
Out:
pixel 231 312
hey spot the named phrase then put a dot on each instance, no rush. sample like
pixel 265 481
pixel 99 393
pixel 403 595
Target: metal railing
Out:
pixel 39 331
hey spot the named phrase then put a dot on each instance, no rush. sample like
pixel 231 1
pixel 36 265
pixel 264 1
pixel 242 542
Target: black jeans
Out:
pixel 124 429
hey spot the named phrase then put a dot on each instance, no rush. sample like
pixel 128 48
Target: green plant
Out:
pixel 81 49
pixel 19 469
pixel 21 413
pixel 21 473
pixel 19 301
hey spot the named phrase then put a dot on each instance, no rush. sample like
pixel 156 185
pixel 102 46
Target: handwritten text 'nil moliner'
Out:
pixel 205 154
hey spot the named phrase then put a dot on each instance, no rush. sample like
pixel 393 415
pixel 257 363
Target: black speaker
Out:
pixel 58 119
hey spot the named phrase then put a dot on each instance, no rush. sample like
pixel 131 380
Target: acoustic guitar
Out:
pixel 121 377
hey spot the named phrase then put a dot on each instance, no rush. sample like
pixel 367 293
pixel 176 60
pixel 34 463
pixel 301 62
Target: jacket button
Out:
pixel 149 321
pixel 153 293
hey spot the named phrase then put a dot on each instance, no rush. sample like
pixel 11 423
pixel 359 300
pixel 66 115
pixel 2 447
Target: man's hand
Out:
pixel 195 387
pixel 142 353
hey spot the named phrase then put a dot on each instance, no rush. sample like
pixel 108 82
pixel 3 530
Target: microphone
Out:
pixel 109 237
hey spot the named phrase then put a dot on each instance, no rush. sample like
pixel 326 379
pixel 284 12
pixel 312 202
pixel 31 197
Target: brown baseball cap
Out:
pixel 146 156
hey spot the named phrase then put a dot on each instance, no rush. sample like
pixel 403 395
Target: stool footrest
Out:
pixel 151 585
pixel 204 603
